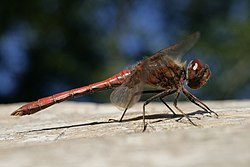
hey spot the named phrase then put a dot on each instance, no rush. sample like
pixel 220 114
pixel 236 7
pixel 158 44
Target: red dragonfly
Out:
pixel 163 70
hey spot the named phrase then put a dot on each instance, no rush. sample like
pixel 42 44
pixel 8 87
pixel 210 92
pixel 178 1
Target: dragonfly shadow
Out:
pixel 153 116
pixel 165 116
pixel 68 126
pixel 148 117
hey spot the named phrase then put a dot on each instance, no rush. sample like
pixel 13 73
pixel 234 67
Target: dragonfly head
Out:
pixel 197 74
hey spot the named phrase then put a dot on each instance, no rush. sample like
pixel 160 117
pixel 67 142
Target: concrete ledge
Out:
pixel 78 134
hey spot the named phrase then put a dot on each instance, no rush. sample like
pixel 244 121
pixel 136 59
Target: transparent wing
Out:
pixel 126 95
pixel 179 49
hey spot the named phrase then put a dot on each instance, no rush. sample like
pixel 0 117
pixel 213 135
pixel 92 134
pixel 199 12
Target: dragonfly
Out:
pixel 164 71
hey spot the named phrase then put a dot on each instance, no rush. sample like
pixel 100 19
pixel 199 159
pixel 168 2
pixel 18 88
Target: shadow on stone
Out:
pixel 147 117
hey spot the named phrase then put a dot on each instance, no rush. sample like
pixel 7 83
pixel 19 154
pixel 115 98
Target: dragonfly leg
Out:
pixel 167 106
pixel 124 112
pixel 146 103
pixel 136 94
pixel 120 120
pixel 161 98
pixel 198 102
pixel 175 105
pixel 160 94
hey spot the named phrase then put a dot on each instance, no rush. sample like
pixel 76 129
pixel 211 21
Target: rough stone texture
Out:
pixel 79 134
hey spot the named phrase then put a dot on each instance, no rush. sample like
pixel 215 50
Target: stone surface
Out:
pixel 79 134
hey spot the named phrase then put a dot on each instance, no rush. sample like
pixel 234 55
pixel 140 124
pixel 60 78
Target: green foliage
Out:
pixel 79 42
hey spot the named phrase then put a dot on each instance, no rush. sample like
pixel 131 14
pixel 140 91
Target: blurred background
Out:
pixel 51 46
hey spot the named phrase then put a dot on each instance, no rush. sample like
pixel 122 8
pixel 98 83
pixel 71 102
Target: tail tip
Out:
pixel 17 113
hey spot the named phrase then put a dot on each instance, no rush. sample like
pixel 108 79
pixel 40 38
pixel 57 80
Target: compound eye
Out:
pixel 195 65
pixel 197 74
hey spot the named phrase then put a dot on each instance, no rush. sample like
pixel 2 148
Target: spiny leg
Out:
pixel 159 95
pixel 167 106
pixel 145 92
pixel 124 112
pixel 168 92
pixel 194 100
pixel 175 105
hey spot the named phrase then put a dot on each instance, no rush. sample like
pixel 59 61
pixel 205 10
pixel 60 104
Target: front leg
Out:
pixel 198 102
pixel 175 105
